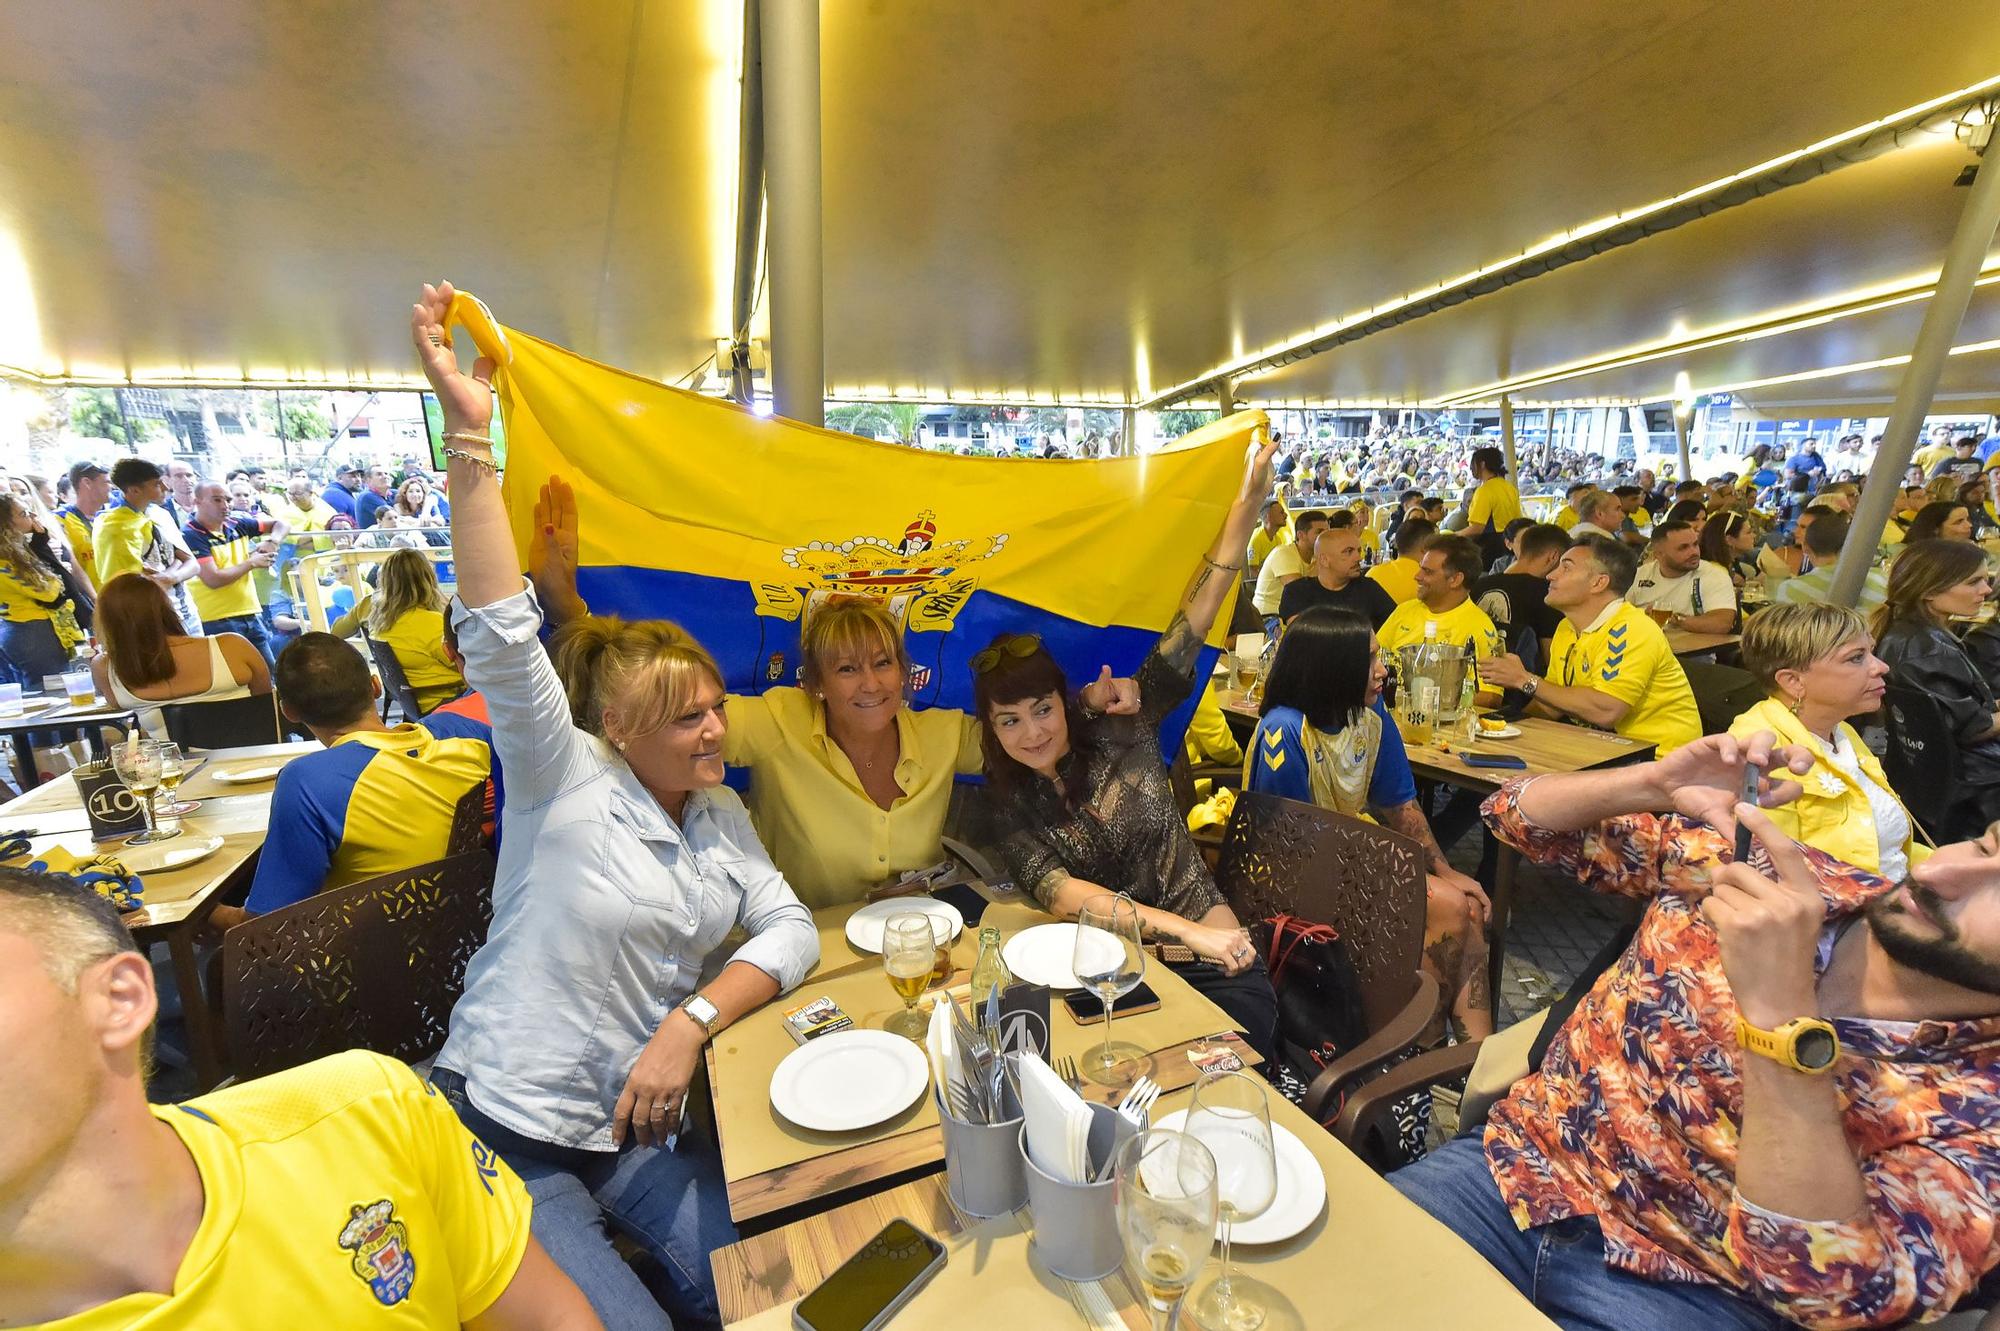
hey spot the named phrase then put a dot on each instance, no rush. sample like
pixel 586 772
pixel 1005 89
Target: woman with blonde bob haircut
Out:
pixel 851 785
pixel 405 613
pixel 624 865
pixel 1931 584
pixel 1818 663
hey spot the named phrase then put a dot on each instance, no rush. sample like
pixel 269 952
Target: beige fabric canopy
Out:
pixel 1096 203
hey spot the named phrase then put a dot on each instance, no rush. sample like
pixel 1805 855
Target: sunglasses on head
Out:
pixel 1019 646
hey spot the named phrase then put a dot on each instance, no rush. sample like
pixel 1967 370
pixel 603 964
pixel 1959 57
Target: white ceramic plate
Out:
pixel 161 856
pixel 865 926
pixel 1504 732
pixel 1301 1189
pixel 247 775
pixel 849 1080
pixel 1045 953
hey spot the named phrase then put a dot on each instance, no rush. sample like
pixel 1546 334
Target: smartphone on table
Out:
pixel 1088 1008
pixel 871 1286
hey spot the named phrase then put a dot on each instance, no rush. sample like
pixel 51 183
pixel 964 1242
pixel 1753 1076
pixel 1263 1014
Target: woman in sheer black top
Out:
pixel 1083 802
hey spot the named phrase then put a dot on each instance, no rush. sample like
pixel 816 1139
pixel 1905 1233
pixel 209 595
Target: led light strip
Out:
pixel 1246 363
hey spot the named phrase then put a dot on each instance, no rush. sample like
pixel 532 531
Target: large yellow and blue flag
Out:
pixel 735 525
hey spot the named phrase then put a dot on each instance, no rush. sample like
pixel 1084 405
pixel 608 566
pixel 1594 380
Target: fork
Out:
pixel 1138 1100
pixel 1065 1067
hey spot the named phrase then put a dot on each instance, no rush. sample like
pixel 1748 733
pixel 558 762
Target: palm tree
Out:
pixel 873 420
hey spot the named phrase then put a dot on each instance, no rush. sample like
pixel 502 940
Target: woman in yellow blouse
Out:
pixel 406 614
pixel 38 629
pixel 850 784
pixel 1819 665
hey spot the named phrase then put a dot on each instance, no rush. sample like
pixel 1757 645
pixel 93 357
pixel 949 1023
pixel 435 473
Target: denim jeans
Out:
pixel 30 651
pixel 249 626
pixel 674 1204
pixel 1560 1267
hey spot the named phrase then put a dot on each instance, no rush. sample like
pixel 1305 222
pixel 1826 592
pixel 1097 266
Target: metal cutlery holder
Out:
pixel 982 1164
pixel 1076 1224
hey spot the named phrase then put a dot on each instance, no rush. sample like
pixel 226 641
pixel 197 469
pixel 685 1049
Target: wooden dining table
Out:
pixel 46 715
pixel 770 1164
pixel 1683 642
pixel 1370 1259
pixel 177 902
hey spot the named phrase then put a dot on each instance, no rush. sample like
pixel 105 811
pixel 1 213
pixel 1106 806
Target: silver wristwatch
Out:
pixel 703 1012
pixel 1530 684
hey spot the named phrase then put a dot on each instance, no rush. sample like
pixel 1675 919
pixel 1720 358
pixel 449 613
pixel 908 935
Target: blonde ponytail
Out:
pixel 644 673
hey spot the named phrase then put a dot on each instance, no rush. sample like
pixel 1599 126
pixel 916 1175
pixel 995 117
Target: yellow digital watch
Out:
pixel 1803 1044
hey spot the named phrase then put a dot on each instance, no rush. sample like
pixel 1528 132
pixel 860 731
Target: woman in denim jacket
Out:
pixel 624 864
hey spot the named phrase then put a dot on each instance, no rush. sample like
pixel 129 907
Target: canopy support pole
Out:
pixel 1977 223
pixel 749 206
pixel 1128 442
pixel 1225 399
pixel 1507 437
pixel 790 37
pixel 1682 414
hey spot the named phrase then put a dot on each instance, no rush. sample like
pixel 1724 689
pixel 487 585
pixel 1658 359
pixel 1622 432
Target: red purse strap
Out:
pixel 1288 931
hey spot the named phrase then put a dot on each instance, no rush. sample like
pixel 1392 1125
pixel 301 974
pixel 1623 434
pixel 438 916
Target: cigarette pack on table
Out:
pixel 814 1018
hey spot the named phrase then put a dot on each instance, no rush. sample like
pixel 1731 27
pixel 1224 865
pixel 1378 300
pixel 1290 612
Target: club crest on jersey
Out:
pixel 380 1245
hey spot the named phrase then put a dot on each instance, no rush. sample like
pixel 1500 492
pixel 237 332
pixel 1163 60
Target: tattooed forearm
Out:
pixel 1408 819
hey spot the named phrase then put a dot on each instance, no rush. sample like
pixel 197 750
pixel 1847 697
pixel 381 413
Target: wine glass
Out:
pixel 1165 1186
pixel 1108 957
pixel 909 951
pixel 173 766
pixel 1231 1117
pixel 138 766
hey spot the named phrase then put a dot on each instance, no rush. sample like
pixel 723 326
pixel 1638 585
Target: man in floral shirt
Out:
pixel 1781 1105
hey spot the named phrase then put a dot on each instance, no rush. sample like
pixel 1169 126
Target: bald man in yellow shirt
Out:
pixel 343 1193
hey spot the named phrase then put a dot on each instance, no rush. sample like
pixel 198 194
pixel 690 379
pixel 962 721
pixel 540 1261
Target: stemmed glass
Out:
pixel 1165 1185
pixel 138 766
pixel 173 766
pixel 1231 1117
pixel 1109 958
pixel 909 951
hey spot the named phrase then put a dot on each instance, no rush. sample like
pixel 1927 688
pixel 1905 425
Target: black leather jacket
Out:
pixel 1924 656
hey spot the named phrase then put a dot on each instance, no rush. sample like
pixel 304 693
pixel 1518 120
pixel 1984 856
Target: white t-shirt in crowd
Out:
pixel 1707 588
pixel 1280 566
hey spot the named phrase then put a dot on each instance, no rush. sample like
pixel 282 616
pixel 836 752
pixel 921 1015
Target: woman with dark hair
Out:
pixel 38 628
pixel 1930 584
pixel 1082 802
pixel 149 659
pixel 1325 738
pixel 1728 539
pixel 1941 520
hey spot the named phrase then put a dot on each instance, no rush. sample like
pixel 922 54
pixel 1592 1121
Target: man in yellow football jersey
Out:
pixel 343 1193
pixel 1609 664
pixel 1446 571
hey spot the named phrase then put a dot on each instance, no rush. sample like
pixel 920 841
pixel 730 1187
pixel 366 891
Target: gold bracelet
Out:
pixel 476 459
pixel 467 437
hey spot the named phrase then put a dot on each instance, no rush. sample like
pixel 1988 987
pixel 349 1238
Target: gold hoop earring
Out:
pixel 1797 704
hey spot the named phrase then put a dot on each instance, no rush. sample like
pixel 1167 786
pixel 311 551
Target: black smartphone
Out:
pixel 1749 797
pixel 869 1287
pixel 1087 1007
pixel 1492 760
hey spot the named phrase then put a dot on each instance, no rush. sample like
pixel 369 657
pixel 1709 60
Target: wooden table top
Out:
pixel 1371 1259
pixel 62 715
pixel 770 1164
pixel 52 814
pixel 1683 643
pixel 1546 746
